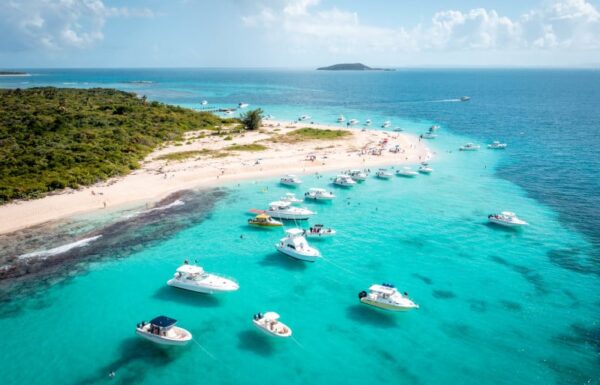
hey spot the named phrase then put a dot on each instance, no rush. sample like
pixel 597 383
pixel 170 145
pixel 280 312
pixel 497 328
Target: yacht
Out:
pixel 465 98
pixel 429 135
pixel 386 296
pixel 406 172
pixel 204 102
pixel 162 330
pixel 469 147
pixel 382 173
pixel 425 169
pixel 264 220
pixel 341 119
pixel 290 180
pixel 344 180
pixel 304 117
pixel 285 210
pixel 506 218
pixel 243 105
pixel 496 145
pixel 319 231
pixel 353 122
pixel 368 122
pixel 295 245
pixel 194 278
pixel 270 324
pixel 386 124
pixel 291 198
pixel 358 175
pixel 319 194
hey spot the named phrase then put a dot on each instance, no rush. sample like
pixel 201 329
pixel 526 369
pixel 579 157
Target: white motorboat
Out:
pixel 194 278
pixel 496 145
pixel 368 122
pixel 434 128
pixel 386 296
pixel 353 122
pixel 382 173
pixel 465 98
pixel 406 172
pixel 319 194
pixel 319 231
pixel 243 105
pixel 341 119
pixel 285 210
pixel 204 102
pixel 291 198
pixel 358 175
pixel 469 147
pixel 270 324
pixel 344 180
pixel 428 135
pixel 162 330
pixel 425 169
pixel 295 245
pixel 290 180
pixel 506 218
pixel 386 124
pixel 304 117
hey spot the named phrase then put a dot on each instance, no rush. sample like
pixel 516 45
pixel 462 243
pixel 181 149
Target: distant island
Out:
pixel 13 73
pixel 352 67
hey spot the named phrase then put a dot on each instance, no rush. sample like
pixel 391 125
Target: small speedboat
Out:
pixel 469 147
pixel 162 330
pixel 506 218
pixel 270 324
pixel 319 194
pixel 465 98
pixel 398 129
pixel 368 122
pixel 194 278
pixel 386 296
pixel 344 181
pixel 295 245
pixel 428 135
pixel 304 117
pixel 264 220
pixel 291 198
pixel 290 180
pixel 285 210
pixel 358 175
pixel 353 122
pixel 434 128
pixel 204 102
pixel 382 173
pixel 319 231
pixel 341 119
pixel 243 105
pixel 496 145
pixel 425 169
pixel 406 172
pixel 386 124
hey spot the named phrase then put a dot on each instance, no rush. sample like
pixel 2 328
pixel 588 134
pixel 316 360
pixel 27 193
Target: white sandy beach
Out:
pixel 158 178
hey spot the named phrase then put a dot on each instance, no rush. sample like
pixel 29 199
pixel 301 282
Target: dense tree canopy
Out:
pixel 54 138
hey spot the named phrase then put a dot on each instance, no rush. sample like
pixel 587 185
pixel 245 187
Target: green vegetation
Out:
pixel 309 133
pixel 252 119
pixel 246 147
pixel 55 138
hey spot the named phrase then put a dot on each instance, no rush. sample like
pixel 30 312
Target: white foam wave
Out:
pixel 165 207
pixel 60 249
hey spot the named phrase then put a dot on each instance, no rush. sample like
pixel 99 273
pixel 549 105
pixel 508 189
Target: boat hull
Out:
pixel 163 340
pixel 296 217
pixel 319 235
pixel 386 306
pixel 319 198
pixel 287 183
pixel 506 224
pixel 200 289
pixel 271 333
pixel 302 257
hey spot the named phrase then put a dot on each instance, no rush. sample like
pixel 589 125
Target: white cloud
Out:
pixel 30 24
pixel 302 25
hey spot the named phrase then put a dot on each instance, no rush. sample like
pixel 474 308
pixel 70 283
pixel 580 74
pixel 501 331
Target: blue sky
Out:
pixel 298 33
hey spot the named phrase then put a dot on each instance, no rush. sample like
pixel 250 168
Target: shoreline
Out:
pixel 156 179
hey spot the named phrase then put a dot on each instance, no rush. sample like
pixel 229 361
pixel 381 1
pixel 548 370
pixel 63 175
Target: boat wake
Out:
pixel 60 249
pixel 175 203
pixel 444 101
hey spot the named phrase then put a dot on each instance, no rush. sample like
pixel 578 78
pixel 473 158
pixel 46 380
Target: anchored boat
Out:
pixel 264 220
pixel 295 245
pixel 194 278
pixel 162 330
pixel 269 323
pixel 386 296
pixel 507 218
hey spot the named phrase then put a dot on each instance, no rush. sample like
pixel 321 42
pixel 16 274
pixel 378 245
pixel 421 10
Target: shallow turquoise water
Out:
pixel 497 306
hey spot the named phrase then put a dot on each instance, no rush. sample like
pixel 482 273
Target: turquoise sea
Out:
pixel 496 306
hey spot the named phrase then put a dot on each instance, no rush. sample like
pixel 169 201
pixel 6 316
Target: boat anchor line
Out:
pixel 339 266
pixel 298 343
pixel 204 349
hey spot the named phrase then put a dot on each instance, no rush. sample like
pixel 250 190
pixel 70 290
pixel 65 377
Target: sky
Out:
pixel 299 33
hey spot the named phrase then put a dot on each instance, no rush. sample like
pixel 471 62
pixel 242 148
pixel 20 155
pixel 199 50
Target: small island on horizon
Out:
pixel 352 67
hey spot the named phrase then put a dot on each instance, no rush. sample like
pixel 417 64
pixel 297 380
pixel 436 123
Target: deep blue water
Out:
pixel 497 307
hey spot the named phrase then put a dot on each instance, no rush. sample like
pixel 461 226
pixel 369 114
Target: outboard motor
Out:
pixel 362 294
